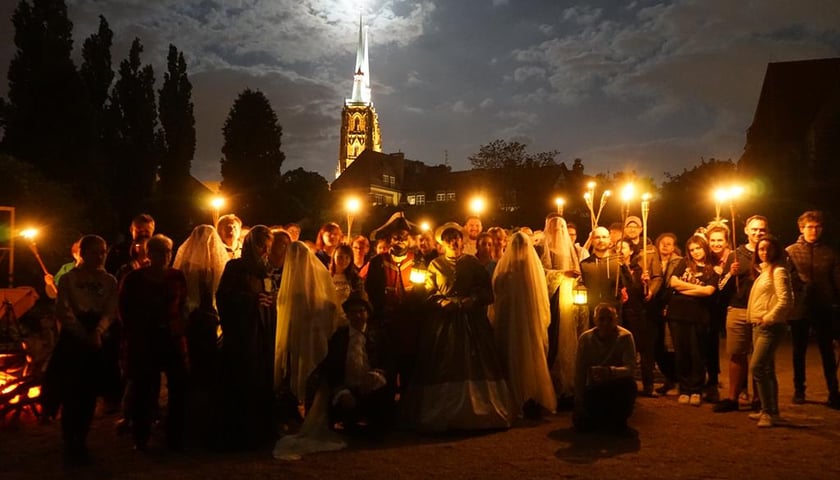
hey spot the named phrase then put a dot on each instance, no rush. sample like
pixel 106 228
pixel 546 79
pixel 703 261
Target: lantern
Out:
pixel 418 272
pixel 579 295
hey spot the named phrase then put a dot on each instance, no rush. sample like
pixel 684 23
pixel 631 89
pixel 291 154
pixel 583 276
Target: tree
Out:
pixel 178 144
pixel 251 155
pixel 96 71
pixel 178 122
pixel 686 200
pixel 46 117
pixel 510 154
pixel 307 196
pixel 135 144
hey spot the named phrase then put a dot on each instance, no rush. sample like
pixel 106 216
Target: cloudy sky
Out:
pixel 646 85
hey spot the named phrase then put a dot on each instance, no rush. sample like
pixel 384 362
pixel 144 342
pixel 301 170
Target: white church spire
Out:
pixel 361 74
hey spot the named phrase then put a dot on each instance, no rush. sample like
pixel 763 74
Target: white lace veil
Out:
pixel 558 251
pixel 202 258
pixel 307 314
pixel 520 316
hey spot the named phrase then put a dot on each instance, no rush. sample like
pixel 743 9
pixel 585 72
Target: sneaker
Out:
pixel 683 400
pixel 766 420
pixel 695 400
pixel 755 415
pixel 799 397
pixel 726 405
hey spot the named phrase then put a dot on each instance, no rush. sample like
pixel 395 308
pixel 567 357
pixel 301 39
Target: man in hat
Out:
pixel 358 371
pixel 395 299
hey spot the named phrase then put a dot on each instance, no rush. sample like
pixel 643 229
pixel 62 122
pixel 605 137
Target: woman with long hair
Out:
pixel 520 317
pixel 770 305
pixel 327 240
pixel 669 258
pixel 345 276
pixel 694 281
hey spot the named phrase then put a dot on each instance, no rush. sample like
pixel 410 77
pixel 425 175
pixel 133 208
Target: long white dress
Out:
pixel 562 268
pixel 520 317
pixel 307 314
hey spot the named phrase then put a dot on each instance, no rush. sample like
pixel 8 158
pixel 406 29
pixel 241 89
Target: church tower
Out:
pixel 359 122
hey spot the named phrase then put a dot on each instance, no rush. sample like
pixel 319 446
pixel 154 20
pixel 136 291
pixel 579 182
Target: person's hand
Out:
pixel 467 302
pixel 624 295
pixel 599 373
pixel 449 305
pixel 265 299
pixel 734 269
pixel 645 277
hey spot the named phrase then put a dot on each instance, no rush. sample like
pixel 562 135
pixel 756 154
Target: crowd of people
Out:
pixel 266 336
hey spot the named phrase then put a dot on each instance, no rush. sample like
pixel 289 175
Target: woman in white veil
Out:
pixel 202 258
pixel 520 316
pixel 307 314
pixel 562 269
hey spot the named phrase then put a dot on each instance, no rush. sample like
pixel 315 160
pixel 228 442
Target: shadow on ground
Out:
pixel 587 448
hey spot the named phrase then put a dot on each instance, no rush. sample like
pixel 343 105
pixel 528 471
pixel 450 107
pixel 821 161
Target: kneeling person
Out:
pixel 605 389
pixel 358 372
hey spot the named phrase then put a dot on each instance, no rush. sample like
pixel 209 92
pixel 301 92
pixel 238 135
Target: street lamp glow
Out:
pixel 736 191
pixel 646 197
pixel 217 202
pixel 721 195
pixel 477 205
pixel 591 185
pixel 29 234
pixel 425 227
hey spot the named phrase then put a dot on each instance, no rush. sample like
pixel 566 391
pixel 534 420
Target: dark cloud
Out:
pixel 650 84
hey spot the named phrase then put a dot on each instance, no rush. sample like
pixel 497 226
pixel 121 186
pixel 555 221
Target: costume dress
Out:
pixel 459 383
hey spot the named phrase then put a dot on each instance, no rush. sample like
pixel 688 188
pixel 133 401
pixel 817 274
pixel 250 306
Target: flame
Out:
pixel 34 392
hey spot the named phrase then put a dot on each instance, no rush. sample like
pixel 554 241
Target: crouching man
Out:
pixel 359 373
pixel 605 389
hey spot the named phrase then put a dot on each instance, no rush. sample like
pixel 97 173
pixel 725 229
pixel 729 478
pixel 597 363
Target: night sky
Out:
pixel 646 85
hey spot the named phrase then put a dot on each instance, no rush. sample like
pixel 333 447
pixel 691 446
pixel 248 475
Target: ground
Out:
pixel 674 441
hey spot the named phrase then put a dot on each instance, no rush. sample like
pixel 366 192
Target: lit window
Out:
pixel 450 196
pixel 440 197
pixel 421 199
pixel 411 199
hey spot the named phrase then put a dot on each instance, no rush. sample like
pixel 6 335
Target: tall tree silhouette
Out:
pixel 252 157
pixel 135 147
pixel 46 116
pixel 175 202
pixel 178 122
